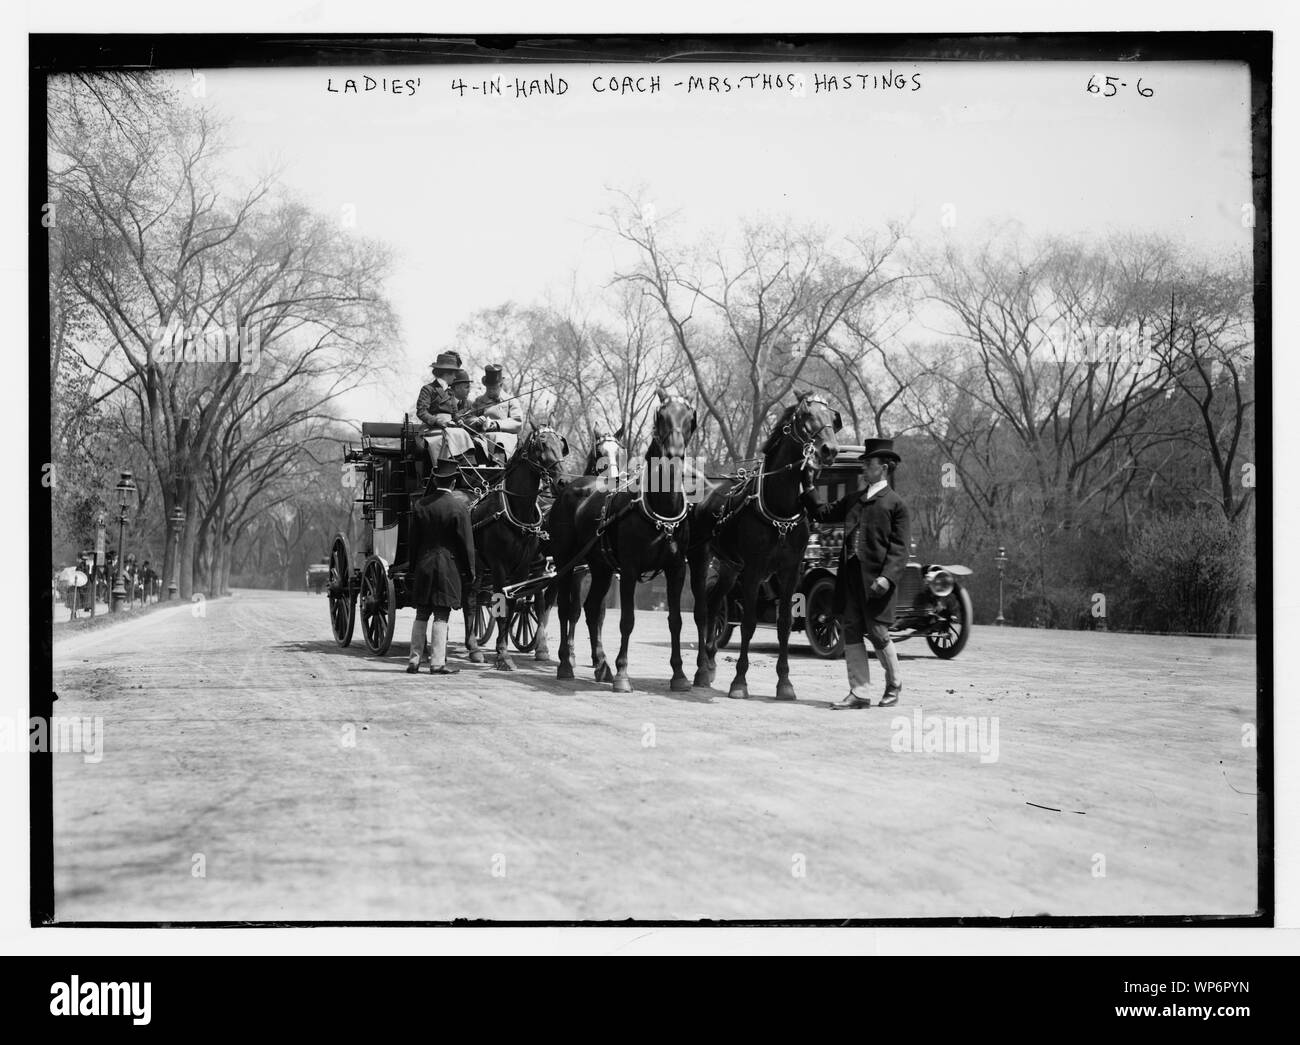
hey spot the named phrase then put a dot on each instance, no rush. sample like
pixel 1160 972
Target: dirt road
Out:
pixel 253 770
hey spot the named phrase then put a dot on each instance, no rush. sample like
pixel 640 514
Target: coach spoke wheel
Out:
pixel 950 637
pixel 523 625
pixel 343 600
pixel 378 606
pixel 484 621
pixel 823 629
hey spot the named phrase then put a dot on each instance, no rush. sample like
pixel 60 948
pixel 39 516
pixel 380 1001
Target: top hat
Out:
pixel 462 377
pixel 882 448
pixel 447 361
pixel 446 468
pixel 492 375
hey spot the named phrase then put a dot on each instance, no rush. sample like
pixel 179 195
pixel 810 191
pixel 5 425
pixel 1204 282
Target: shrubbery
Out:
pixel 1193 573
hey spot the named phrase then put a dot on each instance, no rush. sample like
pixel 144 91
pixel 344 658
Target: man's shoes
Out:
pixel 850 702
pixel 891 696
pixel 412 669
pixel 444 670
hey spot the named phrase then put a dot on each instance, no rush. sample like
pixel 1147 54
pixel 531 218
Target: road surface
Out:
pixel 253 770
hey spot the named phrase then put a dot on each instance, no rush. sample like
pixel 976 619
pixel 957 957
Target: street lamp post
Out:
pixel 177 521
pixel 97 560
pixel 125 496
pixel 1001 560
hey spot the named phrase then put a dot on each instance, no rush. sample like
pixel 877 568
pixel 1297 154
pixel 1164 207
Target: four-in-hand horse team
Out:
pixel 737 530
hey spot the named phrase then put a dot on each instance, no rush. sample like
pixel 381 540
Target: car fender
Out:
pixel 812 576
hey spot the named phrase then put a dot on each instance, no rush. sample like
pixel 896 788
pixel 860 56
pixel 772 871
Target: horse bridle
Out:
pixel 807 440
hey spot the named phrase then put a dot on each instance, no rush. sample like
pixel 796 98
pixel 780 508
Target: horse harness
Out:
pixel 783 524
pixel 532 529
pixel 665 525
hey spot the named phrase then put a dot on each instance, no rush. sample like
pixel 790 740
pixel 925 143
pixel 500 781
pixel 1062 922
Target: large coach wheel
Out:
pixel 343 600
pixel 956 613
pixel 523 625
pixel 823 630
pixel 378 606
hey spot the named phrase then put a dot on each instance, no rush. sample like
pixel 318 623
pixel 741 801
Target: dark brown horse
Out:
pixel 636 529
pixel 755 528
pixel 509 534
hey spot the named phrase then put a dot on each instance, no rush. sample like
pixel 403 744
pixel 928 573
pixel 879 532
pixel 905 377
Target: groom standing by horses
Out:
pixel 442 558
pixel 871 566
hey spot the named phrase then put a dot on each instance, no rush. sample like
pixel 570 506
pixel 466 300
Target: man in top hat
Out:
pixel 502 420
pixel 441 561
pixel 876 536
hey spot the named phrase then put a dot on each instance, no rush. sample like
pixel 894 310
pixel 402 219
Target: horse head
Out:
pixel 606 454
pixel 545 450
pixel 674 424
pixel 811 424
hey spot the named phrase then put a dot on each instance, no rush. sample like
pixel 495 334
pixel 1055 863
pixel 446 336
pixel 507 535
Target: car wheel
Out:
pixel 953 630
pixel 820 625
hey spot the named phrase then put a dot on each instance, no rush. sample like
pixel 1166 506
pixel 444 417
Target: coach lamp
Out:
pixel 1001 560
pixel 126 492
pixel 177 520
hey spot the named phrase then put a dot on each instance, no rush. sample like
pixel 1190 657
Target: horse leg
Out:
pixel 699 574
pixel 784 592
pixel 595 610
pixel 626 622
pixel 749 598
pixel 504 663
pixel 675 576
pixel 470 612
pixel 716 605
pixel 565 591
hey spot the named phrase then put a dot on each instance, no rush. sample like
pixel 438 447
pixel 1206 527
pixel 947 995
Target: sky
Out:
pixel 488 198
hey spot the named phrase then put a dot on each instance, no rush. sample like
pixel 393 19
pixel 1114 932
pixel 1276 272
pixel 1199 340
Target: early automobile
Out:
pixel 932 599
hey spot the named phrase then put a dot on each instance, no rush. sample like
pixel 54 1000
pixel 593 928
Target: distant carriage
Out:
pixel 392 467
pixel 317 577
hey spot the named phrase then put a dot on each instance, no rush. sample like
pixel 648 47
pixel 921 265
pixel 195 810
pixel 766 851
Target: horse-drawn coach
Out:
pixel 391 466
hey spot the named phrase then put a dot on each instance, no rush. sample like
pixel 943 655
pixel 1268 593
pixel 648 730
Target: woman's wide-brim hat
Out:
pixel 882 448
pixel 447 361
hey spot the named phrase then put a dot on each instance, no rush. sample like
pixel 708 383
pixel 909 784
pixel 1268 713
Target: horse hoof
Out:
pixel 504 664
pixel 564 671
pixel 603 674
pixel 739 693
pixel 679 684
pixel 475 657
pixel 622 684
pixel 703 678
pixel 785 691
